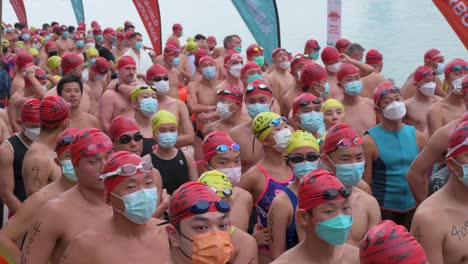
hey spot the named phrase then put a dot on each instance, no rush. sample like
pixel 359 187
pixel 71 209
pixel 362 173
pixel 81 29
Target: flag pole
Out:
pixel 278 23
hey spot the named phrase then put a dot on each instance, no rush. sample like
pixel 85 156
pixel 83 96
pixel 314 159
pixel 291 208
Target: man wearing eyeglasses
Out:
pixel 298 62
pixel 18 225
pixel 324 212
pixel 439 222
pixel 158 78
pixel 452 106
pixel 343 156
pixel 390 148
pixel 418 105
pixel 70 88
pixel 78 209
pixel 244 245
pixel 98 81
pixel 133 196
pixel 349 80
pixel 280 78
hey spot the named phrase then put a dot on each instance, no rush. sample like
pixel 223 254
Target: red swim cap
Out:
pixel 257 90
pixel 70 61
pixel 423 72
pixel 312 186
pixel 373 57
pixel 234 94
pixel 125 61
pixel 200 53
pixel 312 72
pixel 312 43
pixel 101 66
pixel 379 89
pixel 88 142
pixel 212 141
pixel 171 49
pixel 187 195
pixel 53 111
pixel 249 66
pixel 250 50
pixel 342 44
pixel 432 55
pixel 456 140
pixel 62 145
pixel 298 59
pixel 155 70
pixel 345 70
pixel 30 111
pixel 389 243
pixel 121 125
pixel 24 59
pixel 206 58
pixel 108 31
pixel 450 67
pixel 336 133
pixel 115 161
pixel 465 84
pixel 330 55
pixel 177 27
pixel 232 55
pixel 48 45
pixel 211 39
pixel 302 97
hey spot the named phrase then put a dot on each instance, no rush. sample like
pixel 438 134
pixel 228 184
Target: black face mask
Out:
pixel 4 49
pixel 52 53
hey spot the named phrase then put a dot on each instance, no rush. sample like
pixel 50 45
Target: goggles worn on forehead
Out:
pixel 225 148
pixel 332 194
pixel 129 170
pixel 257 49
pixel 261 86
pixel 273 123
pixel 460 67
pixel 227 92
pixel 345 143
pixel 305 103
pixel 93 149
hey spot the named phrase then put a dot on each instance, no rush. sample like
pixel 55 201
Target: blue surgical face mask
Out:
pixel 353 88
pixel 149 106
pixel 9 29
pixel 350 174
pixel 167 140
pixel 26 36
pixel 312 121
pixel 175 61
pixel 92 60
pixel 301 169
pixel 65 34
pixel 99 38
pixel 440 68
pixel 209 72
pixel 314 55
pixel 47 38
pixel 324 94
pixel 254 77
pixel 138 45
pixel 238 49
pixel 68 170
pixel 464 178
pixel 254 109
pixel 79 44
pixel 140 205
pixel 99 77
pixel 335 230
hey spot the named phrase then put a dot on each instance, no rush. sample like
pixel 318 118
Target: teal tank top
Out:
pixel 397 150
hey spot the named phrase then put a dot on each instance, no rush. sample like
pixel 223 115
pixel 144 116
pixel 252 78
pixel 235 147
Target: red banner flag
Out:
pixel 20 11
pixel 456 14
pixel 149 14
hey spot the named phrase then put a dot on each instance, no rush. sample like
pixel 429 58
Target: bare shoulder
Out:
pixel 363 198
pixel 436 98
pixel 350 254
pixel 281 202
pixel 243 196
pixel 287 256
pixel 367 101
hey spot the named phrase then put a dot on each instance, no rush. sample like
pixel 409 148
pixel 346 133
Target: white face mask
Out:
pixel 334 67
pixel 161 87
pixel 84 76
pixel 395 111
pixel 284 65
pixel 282 139
pixel 457 85
pixel 32 133
pixel 234 174
pixel 235 70
pixel 89 45
pixel 428 89
pixel 223 110
pixel 37 46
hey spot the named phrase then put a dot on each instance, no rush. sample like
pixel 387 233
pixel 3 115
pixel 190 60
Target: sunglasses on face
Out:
pixel 332 194
pixel 159 78
pixel 125 139
pixel 298 158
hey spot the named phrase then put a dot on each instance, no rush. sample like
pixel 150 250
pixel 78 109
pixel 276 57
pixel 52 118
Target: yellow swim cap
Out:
pixel 92 52
pixel 19 44
pixel 218 182
pixel 332 103
pixel 191 46
pixel 163 117
pixel 301 139
pixel 120 28
pixel 190 39
pixel 262 124
pixel 139 90
pixel 43 42
pixel 5 43
pixel 33 29
pixel 50 85
pixel 54 62
pixel 33 52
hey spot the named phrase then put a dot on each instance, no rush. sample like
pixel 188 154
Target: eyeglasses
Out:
pixel 225 148
pixel 203 206
pixel 298 158
pixel 261 86
pixel 257 49
pixel 459 67
pixel 129 170
pixel 332 194
pixel 159 78
pixel 94 148
pixel 227 92
pixel 224 192
pixel 305 103
pixel 125 139
pixel 273 123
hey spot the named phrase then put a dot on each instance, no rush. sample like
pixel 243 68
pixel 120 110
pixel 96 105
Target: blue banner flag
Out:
pixel 79 11
pixel 261 17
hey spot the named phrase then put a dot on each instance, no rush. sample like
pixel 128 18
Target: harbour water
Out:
pixel 402 30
